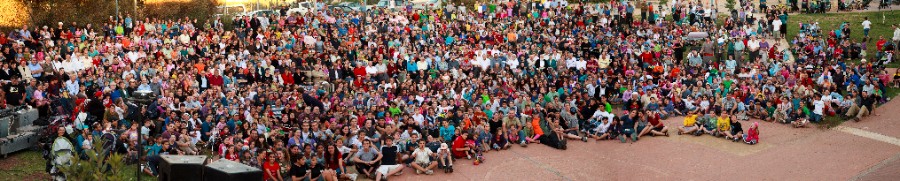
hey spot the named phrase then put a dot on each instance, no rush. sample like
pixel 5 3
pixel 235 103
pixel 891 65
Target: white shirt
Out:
pixel 867 24
pixel 819 107
pixel 776 25
pixel 422 154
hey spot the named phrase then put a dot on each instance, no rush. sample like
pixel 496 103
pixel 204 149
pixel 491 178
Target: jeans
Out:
pixel 815 117
pixel 866 32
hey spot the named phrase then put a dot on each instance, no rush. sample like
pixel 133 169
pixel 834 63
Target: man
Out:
pixel 299 171
pixel 390 164
pixel 896 37
pixel 865 108
pixel 14 92
pixel 867 25
pixel 423 162
pixel 366 159
pixel 514 128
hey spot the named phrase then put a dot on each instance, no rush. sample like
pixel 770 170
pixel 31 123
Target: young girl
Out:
pixel 444 158
pixel 499 141
pixel 752 136
pixel 533 130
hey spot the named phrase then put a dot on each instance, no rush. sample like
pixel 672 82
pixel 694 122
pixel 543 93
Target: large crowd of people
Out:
pixel 307 96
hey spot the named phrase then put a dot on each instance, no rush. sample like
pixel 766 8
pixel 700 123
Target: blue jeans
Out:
pixel 815 117
pixel 866 32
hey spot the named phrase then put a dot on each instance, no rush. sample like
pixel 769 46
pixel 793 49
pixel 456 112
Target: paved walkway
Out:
pixel 866 150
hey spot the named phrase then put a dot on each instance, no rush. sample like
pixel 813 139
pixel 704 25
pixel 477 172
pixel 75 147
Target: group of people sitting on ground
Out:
pixel 307 96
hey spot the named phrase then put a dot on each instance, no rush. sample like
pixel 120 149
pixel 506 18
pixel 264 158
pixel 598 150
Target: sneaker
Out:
pixel 634 139
pixel 352 176
pixel 584 139
pixel 468 157
pixel 451 168
pixel 418 172
pixel 429 172
pixel 398 173
pixel 622 138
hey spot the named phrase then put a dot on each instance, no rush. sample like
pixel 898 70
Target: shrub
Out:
pixel 96 166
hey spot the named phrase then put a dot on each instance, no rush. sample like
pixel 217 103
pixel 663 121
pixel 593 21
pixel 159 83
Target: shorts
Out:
pixel 640 129
pixel 423 164
pixel 735 131
pixel 385 169
pixel 658 128
pixel 690 128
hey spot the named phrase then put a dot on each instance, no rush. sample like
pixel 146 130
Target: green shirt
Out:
pixel 394 111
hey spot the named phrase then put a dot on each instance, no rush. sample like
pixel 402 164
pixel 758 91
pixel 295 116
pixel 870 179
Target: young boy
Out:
pixel 445 160
pixel 690 124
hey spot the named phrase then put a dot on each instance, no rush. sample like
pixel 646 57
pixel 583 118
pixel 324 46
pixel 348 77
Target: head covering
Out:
pixel 443 146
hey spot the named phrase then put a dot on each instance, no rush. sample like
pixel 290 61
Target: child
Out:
pixel 736 130
pixel 752 136
pixel 690 124
pixel 709 125
pixel 499 141
pixel 483 137
pixel 444 158
pixel 798 119
pixel 601 129
pixel 723 125
pixel 535 130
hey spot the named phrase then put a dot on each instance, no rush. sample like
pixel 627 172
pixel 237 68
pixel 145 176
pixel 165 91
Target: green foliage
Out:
pixel 95 167
pixel 173 9
pixel 97 12
pixel 729 4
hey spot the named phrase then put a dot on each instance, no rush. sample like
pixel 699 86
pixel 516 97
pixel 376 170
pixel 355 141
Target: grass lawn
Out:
pixel 24 165
pixel 831 21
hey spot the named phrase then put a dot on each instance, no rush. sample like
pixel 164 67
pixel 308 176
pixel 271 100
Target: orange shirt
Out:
pixel 200 67
pixel 536 126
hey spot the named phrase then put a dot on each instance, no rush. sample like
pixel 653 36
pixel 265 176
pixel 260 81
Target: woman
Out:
pixel 271 168
pixel 334 164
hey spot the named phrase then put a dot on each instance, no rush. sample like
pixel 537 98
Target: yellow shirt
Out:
pixel 724 123
pixel 690 120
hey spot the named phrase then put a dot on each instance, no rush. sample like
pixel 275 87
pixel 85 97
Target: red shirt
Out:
pixel 288 78
pixel 457 144
pixel 272 167
pixel 880 44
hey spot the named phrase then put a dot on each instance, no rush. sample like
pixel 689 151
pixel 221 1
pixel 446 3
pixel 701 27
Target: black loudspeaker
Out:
pixel 181 167
pixel 227 170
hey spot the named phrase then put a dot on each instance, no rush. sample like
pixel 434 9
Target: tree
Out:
pixel 729 4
